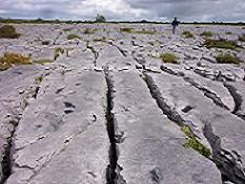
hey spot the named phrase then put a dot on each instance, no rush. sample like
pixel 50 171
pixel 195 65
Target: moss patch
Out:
pixel 206 34
pixel 225 44
pixel 39 79
pixel 42 61
pixel 73 36
pixel 9 59
pixel 131 30
pixel 194 143
pixel 227 58
pixel 57 52
pixel 187 34
pixel 89 31
pixel 169 57
pixel 8 31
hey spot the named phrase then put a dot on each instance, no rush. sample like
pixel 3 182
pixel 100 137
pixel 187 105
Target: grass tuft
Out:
pixel 8 31
pixel 126 30
pixel 207 34
pixel 227 58
pixel 242 37
pixel 225 44
pixel 188 34
pixel 9 59
pixel 42 61
pixel 89 31
pixel 169 57
pixel 131 30
pixel 57 52
pixel 39 79
pixel 73 36
pixel 194 143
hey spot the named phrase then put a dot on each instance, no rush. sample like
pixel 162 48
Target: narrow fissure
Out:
pixel 95 53
pixel 8 149
pixel 7 157
pixel 237 100
pixel 113 170
pixel 229 164
pixel 206 92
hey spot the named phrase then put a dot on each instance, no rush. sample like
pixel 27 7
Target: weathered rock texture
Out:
pixel 108 110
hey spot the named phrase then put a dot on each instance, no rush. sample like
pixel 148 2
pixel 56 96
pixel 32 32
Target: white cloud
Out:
pixel 186 10
pixel 118 8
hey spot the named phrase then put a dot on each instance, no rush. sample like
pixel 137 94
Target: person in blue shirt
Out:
pixel 175 23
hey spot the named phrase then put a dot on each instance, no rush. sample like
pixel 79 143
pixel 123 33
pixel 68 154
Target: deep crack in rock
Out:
pixel 113 170
pixel 229 163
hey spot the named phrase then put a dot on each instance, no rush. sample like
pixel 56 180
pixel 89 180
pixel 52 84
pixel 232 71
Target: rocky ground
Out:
pixel 108 110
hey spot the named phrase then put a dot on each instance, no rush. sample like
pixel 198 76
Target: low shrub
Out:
pixel 225 44
pixel 227 58
pixel 42 61
pixel 9 59
pixel 168 57
pixel 188 34
pixel 8 31
pixel 207 34
pixel 73 36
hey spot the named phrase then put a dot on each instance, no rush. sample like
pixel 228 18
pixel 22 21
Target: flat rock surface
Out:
pixel 105 108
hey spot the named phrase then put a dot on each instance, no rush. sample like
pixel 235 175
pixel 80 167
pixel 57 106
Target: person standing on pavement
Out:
pixel 175 23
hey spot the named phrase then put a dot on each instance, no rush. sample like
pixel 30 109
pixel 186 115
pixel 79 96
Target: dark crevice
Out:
pixel 7 156
pixel 156 94
pixel 228 162
pixel 7 160
pixel 237 100
pixel 236 96
pixel 95 53
pixel 123 52
pixel 220 157
pixel 113 170
pixel 208 93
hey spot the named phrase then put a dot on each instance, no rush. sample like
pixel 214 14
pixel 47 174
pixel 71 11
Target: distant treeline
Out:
pixel 56 21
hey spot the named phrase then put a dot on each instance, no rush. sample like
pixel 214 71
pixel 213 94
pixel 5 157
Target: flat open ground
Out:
pixel 107 108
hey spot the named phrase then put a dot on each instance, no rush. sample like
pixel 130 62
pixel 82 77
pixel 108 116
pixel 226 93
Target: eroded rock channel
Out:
pixel 113 107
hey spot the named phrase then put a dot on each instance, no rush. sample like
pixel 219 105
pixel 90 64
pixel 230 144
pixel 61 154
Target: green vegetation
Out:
pixel 73 36
pixel 8 31
pixel 187 34
pixel 242 37
pixel 39 79
pixel 207 34
pixel 42 61
pixel 57 52
pixel 227 58
pixel 225 44
pixel 9 59
pixel 102 39
pixel 131 30
pixel 168 57
pixel 194 143
pixel 100 18
pixel 89 31
pixel 126 30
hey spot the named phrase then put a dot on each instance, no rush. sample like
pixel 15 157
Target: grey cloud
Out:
pixel 185 10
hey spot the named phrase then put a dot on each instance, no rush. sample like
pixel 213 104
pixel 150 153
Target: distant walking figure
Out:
pixel 175 23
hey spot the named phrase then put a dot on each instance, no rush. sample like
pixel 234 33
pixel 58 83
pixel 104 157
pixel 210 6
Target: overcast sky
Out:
pixel 155 10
